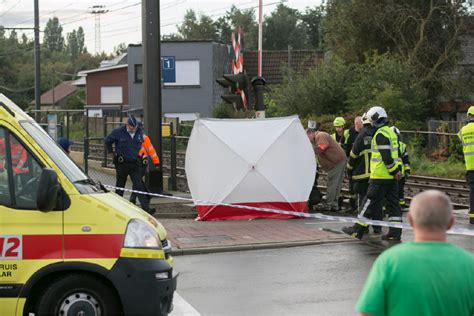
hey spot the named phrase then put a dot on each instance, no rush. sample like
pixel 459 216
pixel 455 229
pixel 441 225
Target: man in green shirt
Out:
pixel 426 277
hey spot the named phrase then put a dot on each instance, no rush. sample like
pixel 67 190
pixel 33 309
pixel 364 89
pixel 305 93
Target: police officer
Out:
pixel 403 153
pixel 358 166
pixel 128 140
pixel 466 135
pixel 385 172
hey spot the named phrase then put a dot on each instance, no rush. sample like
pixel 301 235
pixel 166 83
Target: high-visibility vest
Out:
pixel 403 153
pixel 466 135
pixel 148 150
pixel 343 139
pixel 378 169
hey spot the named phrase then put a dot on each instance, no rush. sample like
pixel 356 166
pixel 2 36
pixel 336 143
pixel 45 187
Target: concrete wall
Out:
pixel 183 99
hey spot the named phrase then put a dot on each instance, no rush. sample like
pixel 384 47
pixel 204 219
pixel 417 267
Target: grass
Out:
pixel 450 168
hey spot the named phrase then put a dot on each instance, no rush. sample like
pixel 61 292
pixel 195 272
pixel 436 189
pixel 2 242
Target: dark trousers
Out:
pixel 352 196
pixel 360 189
pixel 373 203
pixel 131 169
pixel 133 196
pixel 470 183
pixel 401 192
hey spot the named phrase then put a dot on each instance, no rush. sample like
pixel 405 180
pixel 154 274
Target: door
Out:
pixel 29 239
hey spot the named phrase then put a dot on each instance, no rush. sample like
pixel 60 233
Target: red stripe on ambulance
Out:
pixel 75 246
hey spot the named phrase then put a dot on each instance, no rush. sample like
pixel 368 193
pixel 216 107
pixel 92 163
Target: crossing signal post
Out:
pixel 237 85
pixel 258 84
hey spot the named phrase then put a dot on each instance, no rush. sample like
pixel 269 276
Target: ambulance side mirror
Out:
pixel 48 190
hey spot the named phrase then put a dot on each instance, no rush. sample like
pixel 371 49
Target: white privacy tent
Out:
pixel 257 162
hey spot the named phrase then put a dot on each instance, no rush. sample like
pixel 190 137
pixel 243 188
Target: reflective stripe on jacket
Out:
pixel 385 161
pixel 359 158
pixel 148 150
pixel 466 135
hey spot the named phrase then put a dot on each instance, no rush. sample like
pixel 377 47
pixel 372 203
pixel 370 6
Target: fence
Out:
pixel 88 133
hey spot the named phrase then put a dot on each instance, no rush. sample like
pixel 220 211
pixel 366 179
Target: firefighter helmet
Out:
pixel 377 116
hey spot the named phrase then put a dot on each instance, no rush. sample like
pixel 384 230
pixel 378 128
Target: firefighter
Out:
pixel 403 153
pixel 353 133
pixel 146 153
pixel 128 140
pixel 341 136
pixel 466 135
pixel 385 172
pixel 358 168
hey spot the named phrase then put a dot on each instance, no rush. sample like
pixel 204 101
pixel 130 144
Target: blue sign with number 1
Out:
pixel 168 68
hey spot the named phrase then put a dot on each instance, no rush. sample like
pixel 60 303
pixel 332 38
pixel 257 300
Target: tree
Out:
pixel 120 49
pixel 24 40
pixel 80 40
pixel 171 37
pixel 245 20
pixel 284 27
pixel 194 29
pixel 322 90
pixel 72 45
pixel 424 34
pixel 13 37
pixel 313 20
pixel 391 82
pixel 53 38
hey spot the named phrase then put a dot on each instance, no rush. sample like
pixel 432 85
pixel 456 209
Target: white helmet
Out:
pixel 395 130
pixel 377 116
pixel 365 119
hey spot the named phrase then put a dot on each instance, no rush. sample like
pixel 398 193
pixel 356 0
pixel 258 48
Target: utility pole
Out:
pixel 152 85
pixel 97 10
pixel 259 82
pixel 37 64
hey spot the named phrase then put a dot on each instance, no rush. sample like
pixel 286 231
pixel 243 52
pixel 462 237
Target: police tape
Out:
pixel 344 219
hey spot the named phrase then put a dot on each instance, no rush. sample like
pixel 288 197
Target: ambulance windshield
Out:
pixel 69 168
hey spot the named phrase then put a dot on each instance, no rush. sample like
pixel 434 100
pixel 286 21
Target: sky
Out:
pixel 122 22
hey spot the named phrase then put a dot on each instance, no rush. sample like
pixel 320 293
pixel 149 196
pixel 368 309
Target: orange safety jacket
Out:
pixel 148 150
pixel 19 157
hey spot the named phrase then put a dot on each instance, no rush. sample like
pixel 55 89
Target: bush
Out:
pixel 334 88
pixel 222 110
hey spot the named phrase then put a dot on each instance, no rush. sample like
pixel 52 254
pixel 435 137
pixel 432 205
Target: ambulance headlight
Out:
pixel 141 235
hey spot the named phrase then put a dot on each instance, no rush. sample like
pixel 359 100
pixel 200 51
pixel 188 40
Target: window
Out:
pixel 111 95
pixel 20 173
pixel 5 198
pixel 138 73
pixel 187 73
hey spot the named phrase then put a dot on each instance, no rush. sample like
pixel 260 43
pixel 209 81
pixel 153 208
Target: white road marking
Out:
pixel 182 307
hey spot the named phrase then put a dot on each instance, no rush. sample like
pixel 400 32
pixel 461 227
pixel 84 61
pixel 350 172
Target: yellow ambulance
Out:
pixel 67 245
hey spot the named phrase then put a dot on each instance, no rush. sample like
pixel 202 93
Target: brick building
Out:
pixel 107 87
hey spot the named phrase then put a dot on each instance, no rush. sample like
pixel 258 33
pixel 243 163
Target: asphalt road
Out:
pixel 312 280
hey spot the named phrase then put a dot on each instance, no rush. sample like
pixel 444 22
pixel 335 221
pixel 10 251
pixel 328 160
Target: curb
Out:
pixel 262 246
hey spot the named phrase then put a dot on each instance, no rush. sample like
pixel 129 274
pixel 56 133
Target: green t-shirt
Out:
pixel 429 278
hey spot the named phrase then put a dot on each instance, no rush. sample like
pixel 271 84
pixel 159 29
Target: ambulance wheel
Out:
pixel 78 294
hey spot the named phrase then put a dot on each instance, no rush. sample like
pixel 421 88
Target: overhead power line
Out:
pixel 16 90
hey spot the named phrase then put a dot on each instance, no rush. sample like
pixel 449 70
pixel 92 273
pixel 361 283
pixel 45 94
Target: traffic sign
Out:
pixel 168 69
